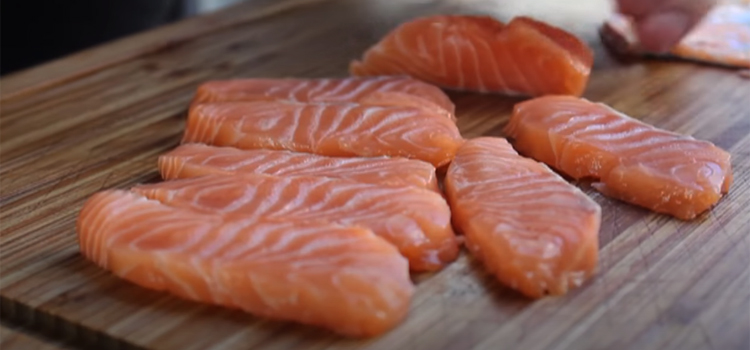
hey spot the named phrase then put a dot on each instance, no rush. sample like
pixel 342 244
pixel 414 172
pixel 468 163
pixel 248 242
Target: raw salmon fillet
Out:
pixel 382 90
pixel 722 37
pixel 416 221
pixel 339 130
pixel 343 278
pixel 478 53
pixel 537 233
pixel 632 161
pixel 192 160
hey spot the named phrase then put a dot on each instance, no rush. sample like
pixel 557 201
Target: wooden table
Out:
pixel 100 118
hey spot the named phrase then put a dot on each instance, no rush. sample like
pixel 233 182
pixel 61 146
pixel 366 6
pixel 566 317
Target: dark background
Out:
pixel 35 31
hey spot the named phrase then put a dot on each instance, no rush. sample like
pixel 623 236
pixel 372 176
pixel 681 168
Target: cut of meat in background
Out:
pixel 723 38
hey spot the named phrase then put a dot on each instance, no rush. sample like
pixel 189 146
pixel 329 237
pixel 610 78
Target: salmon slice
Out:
pixel 192 160
pixel 338 130
pixel 537 233
pixel 416 221
pixel 383 90
pixel 632 161
pixel 342 278
pixel 722 37
pixel 479 53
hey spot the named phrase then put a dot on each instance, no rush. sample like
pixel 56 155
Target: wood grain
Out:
pixel 98 58
pixel 99 120
pixel 13 339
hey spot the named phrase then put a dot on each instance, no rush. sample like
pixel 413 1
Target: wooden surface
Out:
pixel 13 339
pixel 99 119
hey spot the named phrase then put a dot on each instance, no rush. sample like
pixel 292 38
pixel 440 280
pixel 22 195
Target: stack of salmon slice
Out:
pixel 302 200
pixel 312 200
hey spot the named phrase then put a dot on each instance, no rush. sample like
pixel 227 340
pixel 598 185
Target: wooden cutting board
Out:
pixel 100 118
pixel 13 339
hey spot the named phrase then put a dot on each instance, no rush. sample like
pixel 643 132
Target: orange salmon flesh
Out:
pixel 630 160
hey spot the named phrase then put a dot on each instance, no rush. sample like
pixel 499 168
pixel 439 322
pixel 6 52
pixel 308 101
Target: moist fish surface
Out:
pixel 632 161
pixel 345 279
pixel 536 232
pixel 416 221
pixel 192 160
pixel 479 53
pixel 339 130
pixel 379 90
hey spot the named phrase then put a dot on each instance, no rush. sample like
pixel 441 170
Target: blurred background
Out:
pixel 34 32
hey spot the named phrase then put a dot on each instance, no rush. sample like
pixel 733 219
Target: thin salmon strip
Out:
pixel 192 160
pixel 416 221
pixel 537 233
pixel 345 279
pixel 383 90
pixel 632 161
pixel 479 53
pixel 722 37
pixel 338 130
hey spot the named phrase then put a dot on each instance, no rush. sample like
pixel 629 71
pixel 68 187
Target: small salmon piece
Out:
pixel 193 160
pixel 416 221
pixel 345 279
pixel 537 233
pixel 337 130
pixel 382 90
pixel 479 53
pixel 632 161
pixel 722 37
